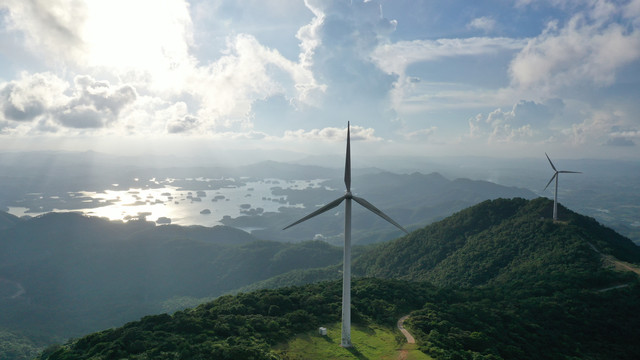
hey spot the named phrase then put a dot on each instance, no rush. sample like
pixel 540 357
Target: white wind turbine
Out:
pixel 346 270
pixel 555 175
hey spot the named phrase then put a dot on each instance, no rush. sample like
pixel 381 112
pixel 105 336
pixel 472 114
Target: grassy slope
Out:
pixel 370 341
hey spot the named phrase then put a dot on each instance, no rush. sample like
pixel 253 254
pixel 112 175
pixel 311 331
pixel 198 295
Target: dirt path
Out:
pixel 410 340
pixel 404 331
pixel 611 261
pixel 615 263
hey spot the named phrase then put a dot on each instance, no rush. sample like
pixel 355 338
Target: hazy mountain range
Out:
pixel 416 192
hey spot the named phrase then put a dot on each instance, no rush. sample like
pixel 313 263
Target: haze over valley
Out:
pixel 264 197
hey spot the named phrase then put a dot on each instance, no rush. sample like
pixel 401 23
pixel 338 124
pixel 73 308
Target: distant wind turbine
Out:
pixel 555 176
pixel 346 270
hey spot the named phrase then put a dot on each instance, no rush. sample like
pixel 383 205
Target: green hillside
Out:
pixel 247 325
pixel 499 280
pixel 64 275
pixel 500 242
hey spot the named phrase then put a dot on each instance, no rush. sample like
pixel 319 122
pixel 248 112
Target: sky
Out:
pixel 421 78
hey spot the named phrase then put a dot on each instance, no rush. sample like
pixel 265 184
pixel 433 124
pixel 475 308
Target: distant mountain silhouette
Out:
pixel 414 200
pixel 7 220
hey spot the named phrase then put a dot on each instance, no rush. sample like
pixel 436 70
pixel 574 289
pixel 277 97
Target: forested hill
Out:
pixel 64 274
pixel 506 282
pixel 498 242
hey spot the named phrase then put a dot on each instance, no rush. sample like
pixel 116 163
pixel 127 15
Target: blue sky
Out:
pixel 434 78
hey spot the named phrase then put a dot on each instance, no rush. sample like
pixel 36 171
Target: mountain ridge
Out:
pixel 509 230
pixel 507 250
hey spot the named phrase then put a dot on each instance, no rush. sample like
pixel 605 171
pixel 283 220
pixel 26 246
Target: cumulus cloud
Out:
pixel 333 134
pixel 599 127
pixel 94 104
pixel 177 118
pixel 182 124
pixel 484 23
pixel 45 98
pixel 31 96
pixel 52 26
pixel 247 72
pixel 589 49
pixel 525 121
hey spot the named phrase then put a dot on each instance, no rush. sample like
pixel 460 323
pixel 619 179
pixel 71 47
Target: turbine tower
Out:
pixel 346 270
pixel 555 176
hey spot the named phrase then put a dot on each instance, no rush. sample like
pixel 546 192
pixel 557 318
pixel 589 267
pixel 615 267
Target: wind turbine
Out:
pixel 346 270
pixel 555 176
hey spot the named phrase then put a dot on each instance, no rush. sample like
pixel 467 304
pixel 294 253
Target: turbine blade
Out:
pixel 570 172
pixel 553 177
pixel 327 207
pixel 347 165
pixel 376 211
pixel 554 168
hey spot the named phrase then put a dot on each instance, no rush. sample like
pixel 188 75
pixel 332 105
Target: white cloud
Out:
pixel 394 58
pixel 247 72
pixel 589 49
pixel 94 104
pixel 32 96
pixel 526 121
pixel 397 57
pixel 485 23
pixel 50 26
pixel 596 128
pixel 47 99
pixel 333 134
pixel 421 135
pixel 632 11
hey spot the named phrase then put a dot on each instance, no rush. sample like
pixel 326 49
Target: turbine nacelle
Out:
pixel 348 195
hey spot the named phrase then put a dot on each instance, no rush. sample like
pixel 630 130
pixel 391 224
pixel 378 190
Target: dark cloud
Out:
pixel 28 112
pixel 620 141
pixel 25 110
pixel 81 118
pixel 96 105
pixel 182 125
pixel 102 96
pixel 44 97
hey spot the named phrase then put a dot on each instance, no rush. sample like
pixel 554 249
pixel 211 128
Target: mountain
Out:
pixel 413 200
pixel 504 282
pixel 65 274
pixel 497 242
pixel 7 220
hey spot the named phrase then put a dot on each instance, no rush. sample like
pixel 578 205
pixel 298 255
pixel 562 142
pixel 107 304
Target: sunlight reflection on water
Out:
pixel 183 206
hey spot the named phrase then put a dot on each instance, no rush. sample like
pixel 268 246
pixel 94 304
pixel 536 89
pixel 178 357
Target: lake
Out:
pixel 188 201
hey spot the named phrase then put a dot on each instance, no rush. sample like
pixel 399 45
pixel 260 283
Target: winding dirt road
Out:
pixel 404 331
pixel 410 340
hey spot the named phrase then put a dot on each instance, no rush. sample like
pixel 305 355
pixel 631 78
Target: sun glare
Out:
pixel 144 37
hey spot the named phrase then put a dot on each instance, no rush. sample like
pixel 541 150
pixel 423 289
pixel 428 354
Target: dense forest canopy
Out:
pixel 496 281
